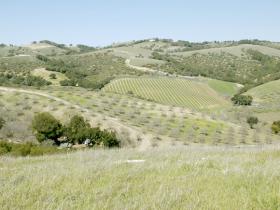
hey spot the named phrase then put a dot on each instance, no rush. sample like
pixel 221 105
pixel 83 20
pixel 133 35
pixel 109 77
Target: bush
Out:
pixel 109 139
pixel 52 76
pixel 275 127
pixel 42 58
pixel 85 48
pixel 76 130
pixel 25 149
pixel 2 123
pixel 67 82
pixel 245 100
pixel 252 121
pixel 46 127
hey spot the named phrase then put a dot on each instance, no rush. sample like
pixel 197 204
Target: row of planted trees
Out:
pixel 77 131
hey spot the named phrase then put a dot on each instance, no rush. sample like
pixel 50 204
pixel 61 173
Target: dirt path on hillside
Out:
pixel 144 69
pixel 161 73
pixel 110 122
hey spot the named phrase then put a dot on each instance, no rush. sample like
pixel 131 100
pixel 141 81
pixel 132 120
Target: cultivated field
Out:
pixel 179 92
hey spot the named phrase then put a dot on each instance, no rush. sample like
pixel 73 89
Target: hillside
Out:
pixel 149 91
pixel 146 124
pixel 247 62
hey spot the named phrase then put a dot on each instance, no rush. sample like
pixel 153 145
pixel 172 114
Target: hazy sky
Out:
pixel 103 22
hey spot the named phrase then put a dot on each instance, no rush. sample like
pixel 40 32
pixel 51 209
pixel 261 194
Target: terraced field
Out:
pixel 171 91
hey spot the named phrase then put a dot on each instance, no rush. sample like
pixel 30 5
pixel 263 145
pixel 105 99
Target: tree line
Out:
pixel 77 131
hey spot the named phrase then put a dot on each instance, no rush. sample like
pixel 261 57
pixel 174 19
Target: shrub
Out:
pixel 2 123
pixel 52 76
pixel 109 139
pixel 25 149
pixel 252 121
pixel 85 48
pixel 275 127
pixel 245 100
pixel 42 58
pixel 46 127
pixel 67 82
pixel 76 130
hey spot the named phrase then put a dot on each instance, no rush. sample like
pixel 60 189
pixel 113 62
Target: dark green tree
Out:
pixel 275 127
pixel 252 121
pixel 244 100
pixel 77 130
pixel 109 139
pixel 46 127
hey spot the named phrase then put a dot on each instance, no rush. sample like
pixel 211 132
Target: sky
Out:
pixel 102 22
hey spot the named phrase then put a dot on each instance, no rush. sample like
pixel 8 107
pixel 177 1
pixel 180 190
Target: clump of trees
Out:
pixel 77 131
pixel 245 100
pixel 76 76
pixel 275 127
pixel 252 121
pixel 85 48
pixel 62 46
pixel 42 58
pixel 28 80
pixel 67 82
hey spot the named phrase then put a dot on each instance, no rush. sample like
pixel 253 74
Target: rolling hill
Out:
pixel 152 92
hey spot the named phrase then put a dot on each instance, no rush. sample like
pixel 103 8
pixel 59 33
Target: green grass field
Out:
pixel 266 93
pixel 224 88
pixel 171 91
pixel 178 178
pixel 266 101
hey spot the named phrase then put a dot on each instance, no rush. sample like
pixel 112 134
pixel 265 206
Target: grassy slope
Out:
pixel 45 74
pixel 136 121
pixel 222 87
pixel 266 100
pixel 235 50
pixel 181 178
pixel 266 93
pixel 18 110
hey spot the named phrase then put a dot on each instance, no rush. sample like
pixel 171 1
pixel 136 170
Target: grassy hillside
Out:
pixel 137 122
pixel 178 178
pixel 45 74
pixel 162 110
pixel 223 88
pixel 234 50
pixel 180 92
pixel 266 101
pixel 266 93
pixel 228 61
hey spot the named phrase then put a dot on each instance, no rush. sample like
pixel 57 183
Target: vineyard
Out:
pixel 178 92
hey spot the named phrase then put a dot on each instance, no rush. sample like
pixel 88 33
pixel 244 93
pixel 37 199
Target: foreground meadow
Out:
pixel 166 178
